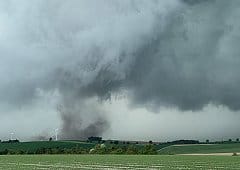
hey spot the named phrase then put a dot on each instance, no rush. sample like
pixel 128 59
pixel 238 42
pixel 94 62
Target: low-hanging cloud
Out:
pixel 177 53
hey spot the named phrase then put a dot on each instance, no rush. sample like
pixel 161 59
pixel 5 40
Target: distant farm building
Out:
pixel 94 139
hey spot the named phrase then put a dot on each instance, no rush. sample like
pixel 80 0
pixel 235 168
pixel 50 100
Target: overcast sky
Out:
pixel 125 69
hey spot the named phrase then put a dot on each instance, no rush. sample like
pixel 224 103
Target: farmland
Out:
pixel 77 147
pixel 31 147
pixel 60 147
pixel 26 162
pixel 205 149
pixel 168 158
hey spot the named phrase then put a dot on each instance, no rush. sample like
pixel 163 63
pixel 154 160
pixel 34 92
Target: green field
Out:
pixel 31 147
pixel 190 149
pixel 104 162
pixel 37 147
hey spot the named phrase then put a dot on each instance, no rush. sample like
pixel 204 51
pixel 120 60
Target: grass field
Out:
pixel 189 149
pixel 104 162
pixel 33 146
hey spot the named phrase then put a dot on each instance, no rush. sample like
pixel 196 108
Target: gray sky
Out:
pixel 124 69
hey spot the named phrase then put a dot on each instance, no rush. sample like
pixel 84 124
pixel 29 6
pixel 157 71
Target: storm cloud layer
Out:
pixel 179 53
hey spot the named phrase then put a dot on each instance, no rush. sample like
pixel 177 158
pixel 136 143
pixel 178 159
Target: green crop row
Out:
pixel 118 162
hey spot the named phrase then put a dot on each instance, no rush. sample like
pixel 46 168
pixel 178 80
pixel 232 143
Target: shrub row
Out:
pixel 98 149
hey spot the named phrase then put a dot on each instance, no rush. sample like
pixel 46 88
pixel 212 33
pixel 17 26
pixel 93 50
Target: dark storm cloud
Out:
pixel 180 54
pixel 188 64
pixel 191 63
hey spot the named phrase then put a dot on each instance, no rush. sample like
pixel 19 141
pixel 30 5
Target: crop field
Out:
pixel 105 162
pixel 33 146
pixel 205 149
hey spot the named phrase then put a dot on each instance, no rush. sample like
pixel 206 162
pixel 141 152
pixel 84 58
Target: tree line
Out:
pixel 148 149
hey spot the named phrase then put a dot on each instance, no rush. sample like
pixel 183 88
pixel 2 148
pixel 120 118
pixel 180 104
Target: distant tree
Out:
pixel 150 142
pixel 237 139
pixel 49 151
pixel 99 149
pixel 131 150
pixel 234 154
pixel 95 139
pixel 207 141
pixel 116 142
pixel 41 151
pixel 229 140
pixel 50 139
pixel 4 152
pixel 21 152
pixel 117 151
pixel 55 151
pixel 149 150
